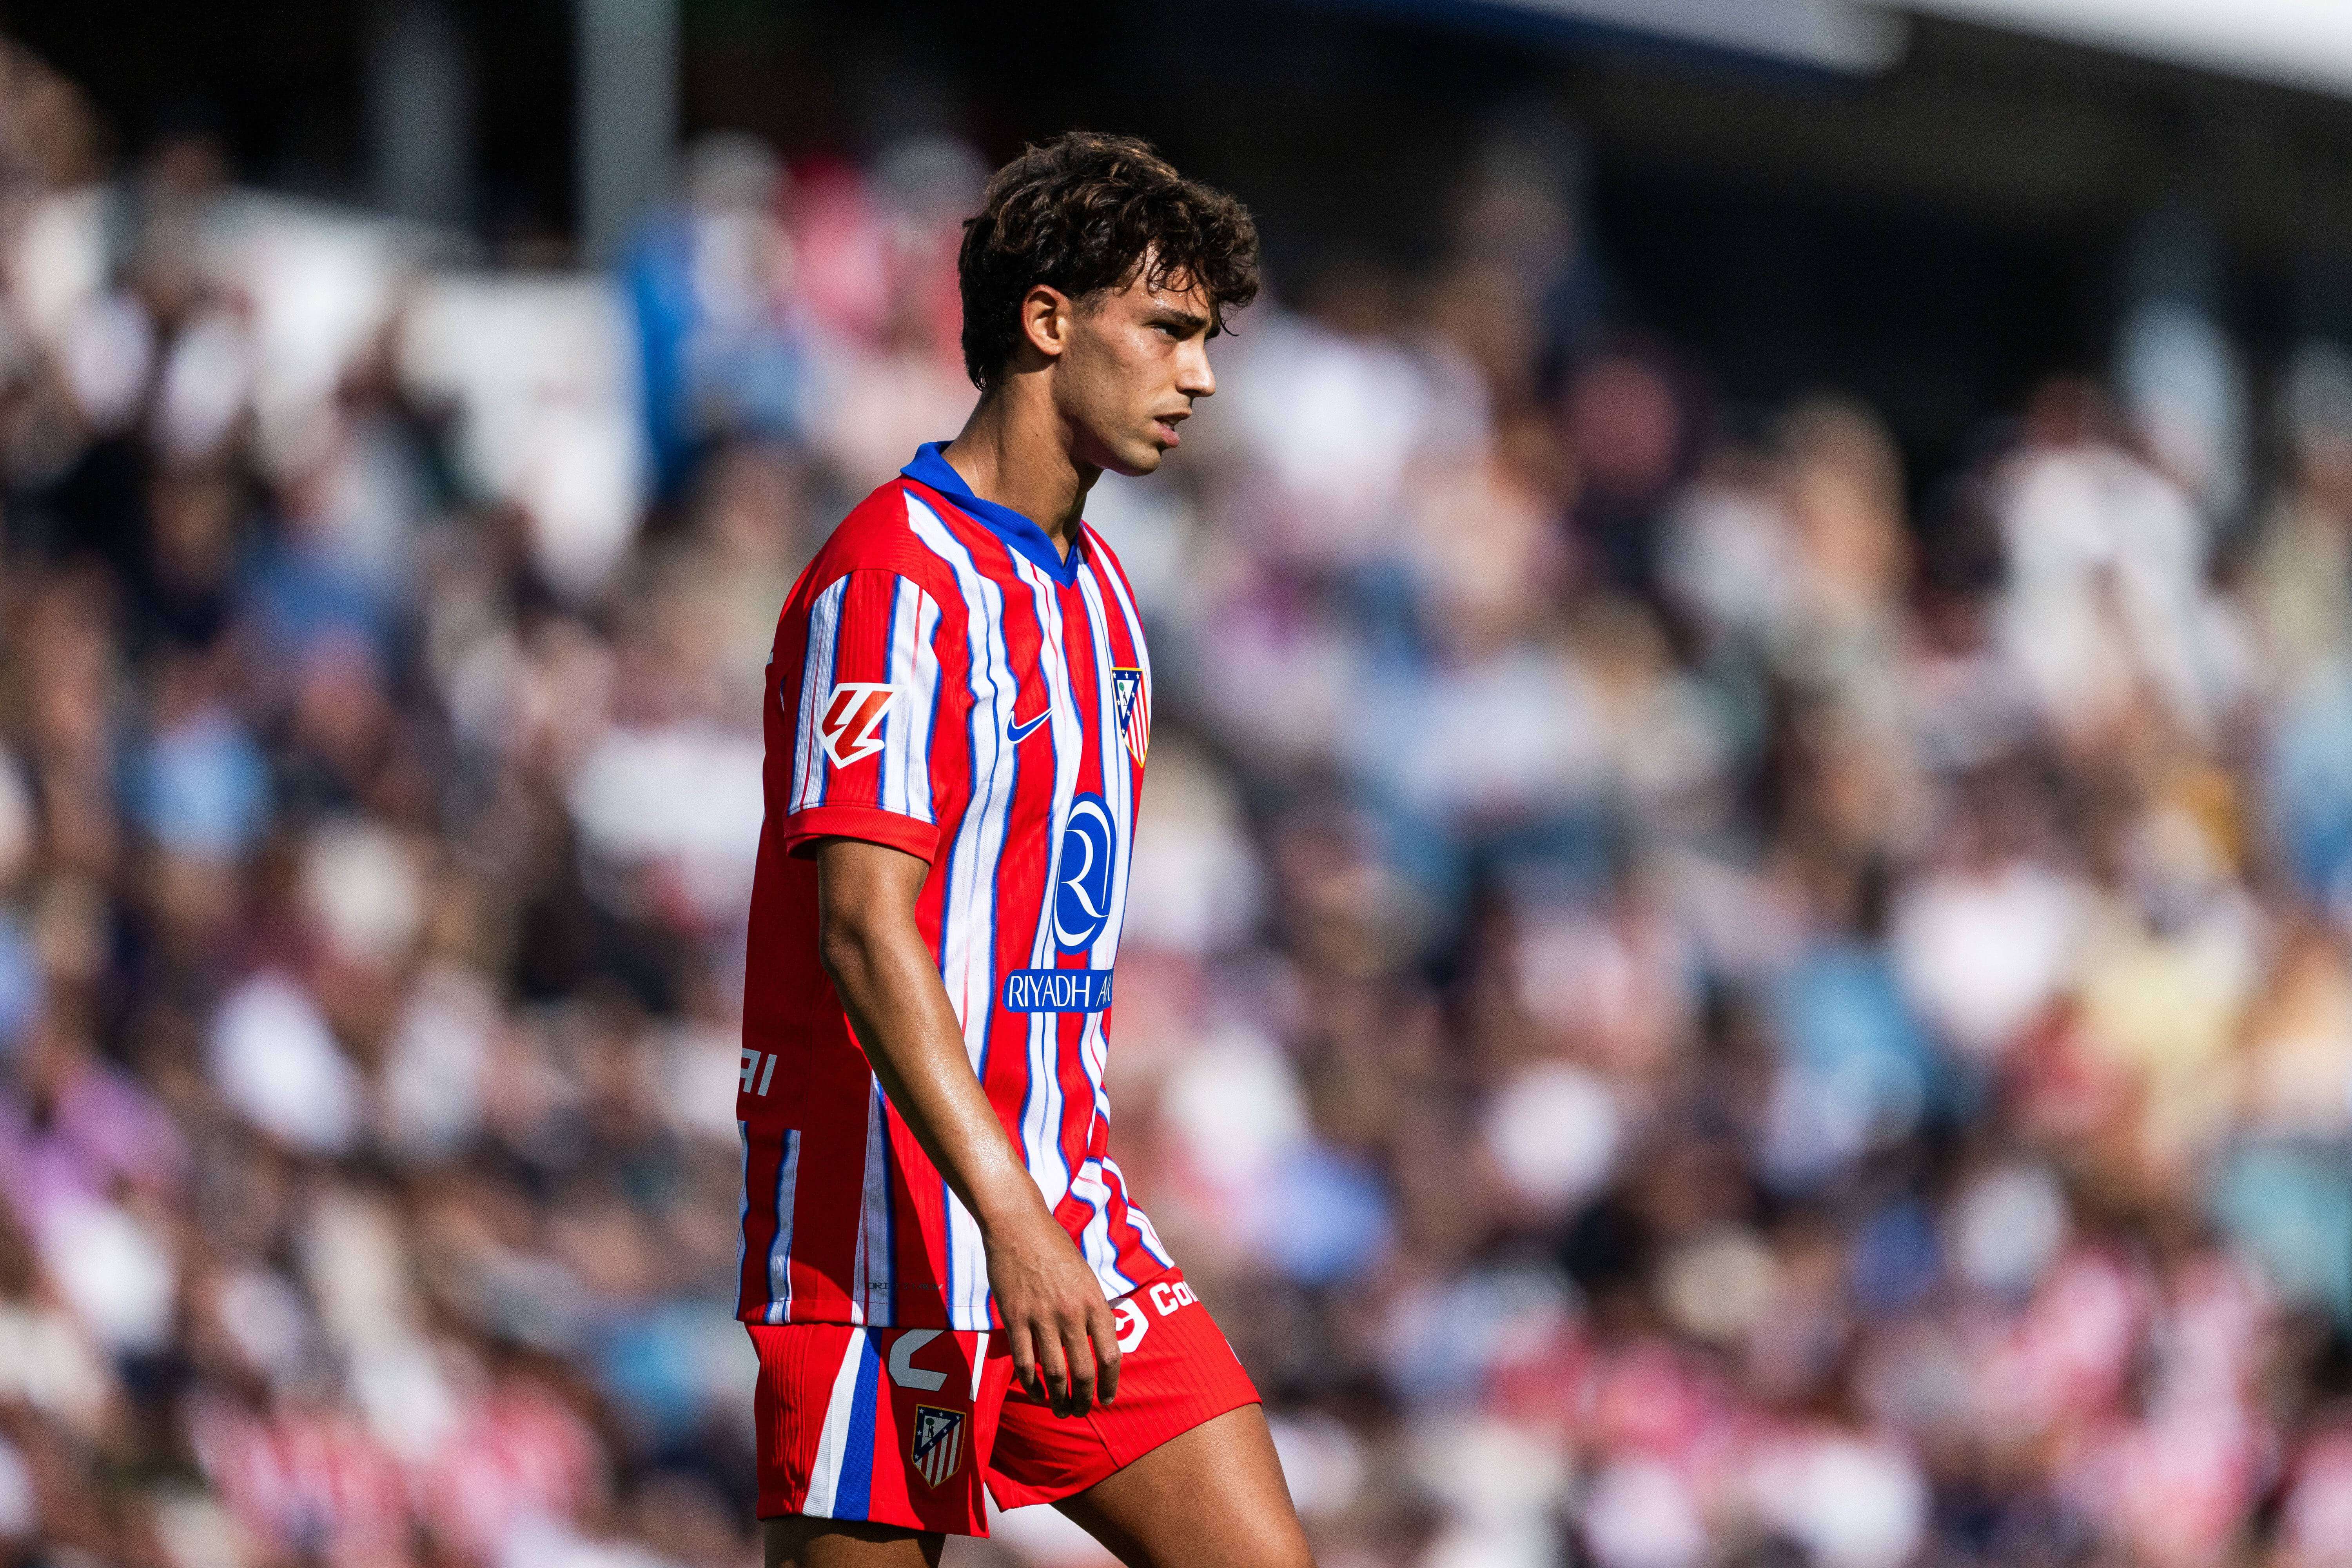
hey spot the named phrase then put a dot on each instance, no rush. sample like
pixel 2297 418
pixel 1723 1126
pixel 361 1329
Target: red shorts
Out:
pixel 902 1426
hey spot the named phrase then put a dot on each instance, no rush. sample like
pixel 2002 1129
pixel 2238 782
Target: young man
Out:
pixel 943 1276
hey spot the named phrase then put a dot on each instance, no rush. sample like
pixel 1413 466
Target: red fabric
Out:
pixel 869 823
pixel 1175 1372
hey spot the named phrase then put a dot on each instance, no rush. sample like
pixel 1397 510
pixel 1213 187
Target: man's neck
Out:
pixel 1011 451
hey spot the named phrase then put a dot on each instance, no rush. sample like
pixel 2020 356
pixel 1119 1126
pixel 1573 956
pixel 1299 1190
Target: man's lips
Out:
pixel 1167 423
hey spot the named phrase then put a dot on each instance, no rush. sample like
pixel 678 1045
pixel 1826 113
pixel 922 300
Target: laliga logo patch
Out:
pixel 852 718
pixel 936 1445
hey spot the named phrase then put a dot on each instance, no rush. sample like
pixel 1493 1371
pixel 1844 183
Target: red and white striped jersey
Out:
pixel 946 683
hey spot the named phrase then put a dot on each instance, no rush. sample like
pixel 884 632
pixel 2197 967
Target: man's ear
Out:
pixel 1045 320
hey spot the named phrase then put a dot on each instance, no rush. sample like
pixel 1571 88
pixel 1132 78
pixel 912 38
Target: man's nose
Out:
pixel 1193 377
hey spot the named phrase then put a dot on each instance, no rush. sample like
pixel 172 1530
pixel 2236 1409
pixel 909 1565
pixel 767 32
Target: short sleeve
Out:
pixel 864 715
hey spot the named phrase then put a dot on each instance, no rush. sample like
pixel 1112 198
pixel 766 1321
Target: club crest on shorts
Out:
pixel 936 1446
pixel 1134 712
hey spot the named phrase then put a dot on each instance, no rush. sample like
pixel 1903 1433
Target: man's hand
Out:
pixel 1062 1335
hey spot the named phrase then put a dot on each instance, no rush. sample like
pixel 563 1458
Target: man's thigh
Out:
pixel 1175 1371
pixel 1178 1471
pixel 793 1541
pixel 1211 1498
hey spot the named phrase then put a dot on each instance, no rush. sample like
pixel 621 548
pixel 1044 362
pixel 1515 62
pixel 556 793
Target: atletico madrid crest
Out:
pixel 1134 712
pixel 936 1447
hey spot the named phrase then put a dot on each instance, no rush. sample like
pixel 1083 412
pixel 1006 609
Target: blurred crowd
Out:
pixel 1685 1007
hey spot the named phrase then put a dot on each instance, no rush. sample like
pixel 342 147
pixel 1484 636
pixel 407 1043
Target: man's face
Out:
pixel 1137 358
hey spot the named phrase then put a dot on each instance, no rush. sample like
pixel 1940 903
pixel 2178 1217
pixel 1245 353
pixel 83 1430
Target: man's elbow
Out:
pixel 866 909
pixel 845 947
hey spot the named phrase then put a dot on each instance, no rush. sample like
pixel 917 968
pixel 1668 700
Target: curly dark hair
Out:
pixel 1084 212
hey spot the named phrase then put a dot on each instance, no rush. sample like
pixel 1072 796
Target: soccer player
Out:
pixel 942 1272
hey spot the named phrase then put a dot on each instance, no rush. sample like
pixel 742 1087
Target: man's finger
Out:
pixel 1106 1351
pixel 1082 1366
pixel 1053 1367
pixel 1025 1358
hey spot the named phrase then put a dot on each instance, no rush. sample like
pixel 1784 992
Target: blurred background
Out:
pixel 1739 948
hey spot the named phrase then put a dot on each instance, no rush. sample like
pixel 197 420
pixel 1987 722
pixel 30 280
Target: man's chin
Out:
pixel 1134 462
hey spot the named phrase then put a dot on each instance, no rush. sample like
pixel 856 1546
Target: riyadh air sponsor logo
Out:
pixel 1134 712
pixel 1017 734
pixel 1082 868
pixel 1057 989
pixel 936 1445
pixel 851 725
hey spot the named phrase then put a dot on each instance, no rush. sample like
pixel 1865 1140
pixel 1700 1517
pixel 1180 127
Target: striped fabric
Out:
pixel 945 683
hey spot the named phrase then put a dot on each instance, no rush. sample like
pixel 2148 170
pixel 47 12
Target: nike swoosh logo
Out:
pixel 1019 732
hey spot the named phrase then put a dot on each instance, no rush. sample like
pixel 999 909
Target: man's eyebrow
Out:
pixel 1184 318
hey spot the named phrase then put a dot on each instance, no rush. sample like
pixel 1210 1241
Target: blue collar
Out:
pixel 1017 531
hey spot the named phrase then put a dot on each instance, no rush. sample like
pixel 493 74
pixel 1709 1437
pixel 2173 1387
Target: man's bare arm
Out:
pixel 1050 1302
